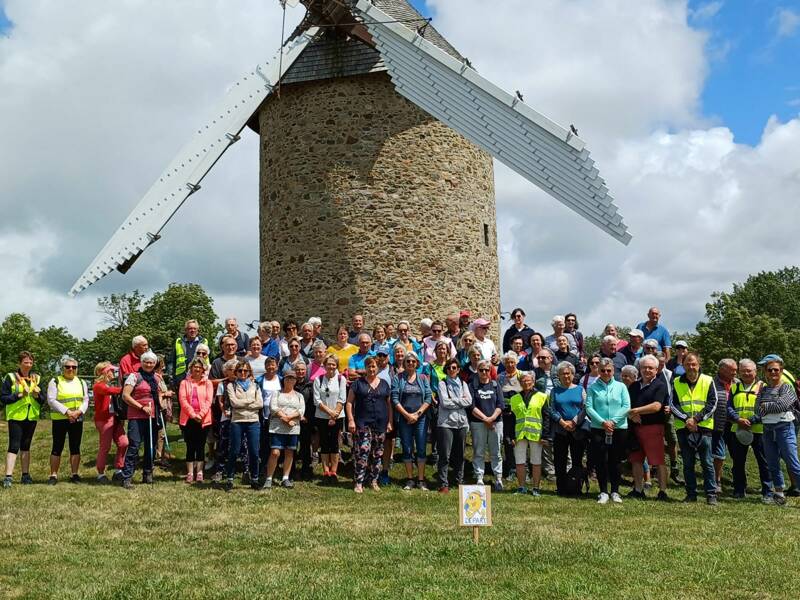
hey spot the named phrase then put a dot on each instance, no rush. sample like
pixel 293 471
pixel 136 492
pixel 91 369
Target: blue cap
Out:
pixel 770 358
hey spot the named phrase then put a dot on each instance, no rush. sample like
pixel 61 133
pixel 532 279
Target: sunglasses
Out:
pixel 543 357
pixel 606 370
pixel 774 370
pixel 483 370
pixel 436 330
pixel 70 367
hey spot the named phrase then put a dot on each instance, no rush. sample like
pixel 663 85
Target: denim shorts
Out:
pixel 718 446
pixel 283 441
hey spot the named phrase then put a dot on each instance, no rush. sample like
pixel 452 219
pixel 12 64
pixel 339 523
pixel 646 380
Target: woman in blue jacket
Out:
pixel 607 405
pixel 411 399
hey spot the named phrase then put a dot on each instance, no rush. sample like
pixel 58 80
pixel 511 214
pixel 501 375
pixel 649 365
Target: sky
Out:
pixel 691 110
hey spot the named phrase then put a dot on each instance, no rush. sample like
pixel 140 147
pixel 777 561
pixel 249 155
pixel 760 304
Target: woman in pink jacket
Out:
pixel 195 395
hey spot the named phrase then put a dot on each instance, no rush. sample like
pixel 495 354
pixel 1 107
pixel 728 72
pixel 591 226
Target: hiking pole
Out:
pixel 164 428
pixel 150 435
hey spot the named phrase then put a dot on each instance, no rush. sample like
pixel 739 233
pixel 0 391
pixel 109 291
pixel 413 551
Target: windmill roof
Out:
pixel 331 55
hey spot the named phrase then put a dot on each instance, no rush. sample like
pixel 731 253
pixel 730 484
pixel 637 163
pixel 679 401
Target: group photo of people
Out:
pixel 342 408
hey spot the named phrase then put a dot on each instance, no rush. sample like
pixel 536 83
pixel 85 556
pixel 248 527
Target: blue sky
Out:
pixel 754 46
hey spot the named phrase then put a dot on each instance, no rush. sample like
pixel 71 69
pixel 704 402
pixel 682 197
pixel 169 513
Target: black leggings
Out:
pixel 328 436
pixel 62 428
pixel 194 434
pixel 606 457
pixel 20 434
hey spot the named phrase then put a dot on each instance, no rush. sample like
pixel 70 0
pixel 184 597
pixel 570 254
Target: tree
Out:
pixel 47 345
pixel 119 308
pixel 761 316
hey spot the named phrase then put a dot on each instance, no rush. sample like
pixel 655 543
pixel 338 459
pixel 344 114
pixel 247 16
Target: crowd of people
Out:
pixel 540 406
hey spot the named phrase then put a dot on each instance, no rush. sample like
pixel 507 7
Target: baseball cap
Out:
pixel 681 344
pixel 652 343
pixel 636 332
pixel 481 322
pixel 770 358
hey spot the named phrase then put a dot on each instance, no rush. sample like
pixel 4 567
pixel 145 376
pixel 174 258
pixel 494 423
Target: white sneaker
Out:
pixel 616 498
pixel 602 498
pixel 480 481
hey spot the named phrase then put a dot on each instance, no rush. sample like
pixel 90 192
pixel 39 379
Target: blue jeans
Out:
pixel 414 434
pixel 780 442
pixel 137 436
pixel 252 433
pixel 689 455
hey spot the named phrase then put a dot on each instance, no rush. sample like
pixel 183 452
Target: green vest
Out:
pixel 744 403
pixel 528 419
pixel 180 355
pixel 787 377
pixel 27 407
pixel 70 394
pixel 693 401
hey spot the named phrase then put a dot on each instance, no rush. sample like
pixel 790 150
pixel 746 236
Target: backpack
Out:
pixel 574 482
pixel 118 407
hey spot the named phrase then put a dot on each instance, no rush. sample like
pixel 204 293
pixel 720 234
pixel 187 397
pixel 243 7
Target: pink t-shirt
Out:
pixel 315 371
pixel 195 401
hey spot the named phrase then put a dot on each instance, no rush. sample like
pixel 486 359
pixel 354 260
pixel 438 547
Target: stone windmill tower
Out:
pixel 377 186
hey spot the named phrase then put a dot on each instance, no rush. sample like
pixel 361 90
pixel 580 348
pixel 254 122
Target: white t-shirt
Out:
pixel 270 390
pixel 487 348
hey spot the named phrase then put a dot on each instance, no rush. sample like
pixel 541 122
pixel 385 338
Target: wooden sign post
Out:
pixel 475 508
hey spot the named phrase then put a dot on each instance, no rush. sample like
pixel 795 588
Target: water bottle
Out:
pixel 609 439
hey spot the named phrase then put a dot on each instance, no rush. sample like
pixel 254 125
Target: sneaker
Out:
pixel 768 499
pixel 522 490
pixel 376 487
pixel 602 498
pixel 267 485
pixel 217 477
pixel 228 485
pixel 199 477
pixel 189 478
pixel 287 483
pixel 117 475
pixel 676 478
pixel 127 484
pixel 497 486
pixel 792 492
pixel 635 495
pixel 52 480
pixel 409 485
pixel 27 479
pixel 422 485
pixel 102 479
pixel 662 496
pixel 75 478
pixel 479 481
pixel 535 492
pixel 358 488
pixel 444 490
pixel 711 500
pixel 779 499
pixel 616 498
pixel 7 481
pixel 690 499
pixel 147 477
pixel 383 478
pixel 648 485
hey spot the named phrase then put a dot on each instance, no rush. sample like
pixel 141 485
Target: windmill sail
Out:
pixel 183 175
pixel 546 154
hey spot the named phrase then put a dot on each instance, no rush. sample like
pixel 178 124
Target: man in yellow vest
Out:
pixel 746 430
pixel 68 398
pixel 694 400
pixel 184 350
pixel 532 430
pixel 22 396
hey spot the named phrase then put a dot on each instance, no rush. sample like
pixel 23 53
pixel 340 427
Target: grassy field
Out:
pixel 171 540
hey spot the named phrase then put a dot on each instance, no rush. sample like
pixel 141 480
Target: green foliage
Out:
pixel 48 345
pixel 760 316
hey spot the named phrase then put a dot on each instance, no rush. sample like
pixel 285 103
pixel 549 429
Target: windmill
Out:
pixel 377 184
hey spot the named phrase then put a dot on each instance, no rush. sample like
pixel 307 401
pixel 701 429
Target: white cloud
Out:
pixel 706 11
pixel 788 22
pixel 98 97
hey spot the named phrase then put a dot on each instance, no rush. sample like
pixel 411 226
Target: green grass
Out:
pixel 170 540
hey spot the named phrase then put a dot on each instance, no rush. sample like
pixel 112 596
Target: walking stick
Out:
pixel 150 435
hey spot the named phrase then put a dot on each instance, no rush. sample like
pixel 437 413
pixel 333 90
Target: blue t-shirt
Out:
pixel 659 334
pixel 356 361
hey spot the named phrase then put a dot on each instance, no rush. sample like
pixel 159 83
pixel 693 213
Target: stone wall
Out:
pixel 369 205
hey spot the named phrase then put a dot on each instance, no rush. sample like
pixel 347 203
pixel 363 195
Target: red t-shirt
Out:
pixel 128 364
pixel 102 399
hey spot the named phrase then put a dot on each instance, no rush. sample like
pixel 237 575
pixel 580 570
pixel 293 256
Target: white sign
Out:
pixel 475 506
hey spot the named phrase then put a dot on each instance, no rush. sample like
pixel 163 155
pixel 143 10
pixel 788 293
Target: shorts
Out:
pixel 524 447
pixel 718 445
pixel 283 441
pixel 651 445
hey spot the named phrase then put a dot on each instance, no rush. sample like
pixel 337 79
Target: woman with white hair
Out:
pixel 316 368
pixel 141 393
pixel 629 375
pixel 68 398
pixel 559 328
